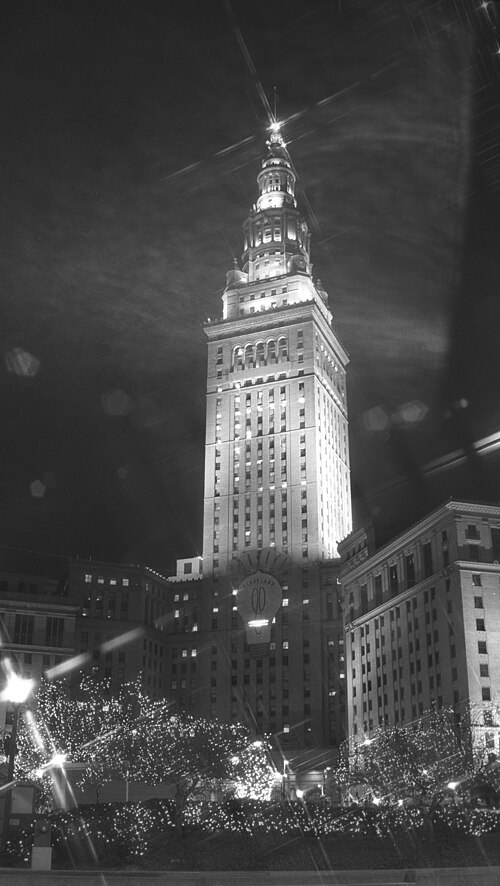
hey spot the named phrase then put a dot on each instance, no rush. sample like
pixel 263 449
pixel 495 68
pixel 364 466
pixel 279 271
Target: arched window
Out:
pixel 283 349
pixel 238 358
pixel 260 354
pixel 249 363
pixel 271 352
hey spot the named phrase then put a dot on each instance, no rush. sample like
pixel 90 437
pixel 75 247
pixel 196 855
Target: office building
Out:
pixel 422 620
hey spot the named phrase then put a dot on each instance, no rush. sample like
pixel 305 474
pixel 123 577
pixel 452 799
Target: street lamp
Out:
pixel 284 781
pixel 16 691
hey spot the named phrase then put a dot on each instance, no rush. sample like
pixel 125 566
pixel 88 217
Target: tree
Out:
pixel 410 762
pixel 72 723
pixel 122 732
pixel 196 756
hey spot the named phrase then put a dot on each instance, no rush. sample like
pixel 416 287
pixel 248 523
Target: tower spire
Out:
pixel 277 238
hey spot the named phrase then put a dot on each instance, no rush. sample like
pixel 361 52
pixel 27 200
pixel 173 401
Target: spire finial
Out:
pixel 275 139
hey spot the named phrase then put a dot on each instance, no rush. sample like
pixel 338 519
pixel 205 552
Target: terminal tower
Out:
pixel 277 482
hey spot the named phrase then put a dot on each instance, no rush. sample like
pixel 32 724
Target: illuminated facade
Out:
pixel 277 453
pixel 277 486
pixel 423 621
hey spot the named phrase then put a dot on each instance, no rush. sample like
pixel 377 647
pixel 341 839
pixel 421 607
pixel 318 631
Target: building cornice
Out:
pixel 406 538
pixel 275 318
pixel 398 600
pixel 456 566
pixel 39 607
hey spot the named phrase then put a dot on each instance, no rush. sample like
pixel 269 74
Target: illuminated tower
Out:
pixel 277 491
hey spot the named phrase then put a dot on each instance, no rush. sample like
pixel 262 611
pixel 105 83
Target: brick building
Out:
pixel 422 619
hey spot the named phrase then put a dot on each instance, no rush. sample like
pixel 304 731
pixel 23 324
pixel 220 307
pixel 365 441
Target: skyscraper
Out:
pixel 277 453
pixel 277 493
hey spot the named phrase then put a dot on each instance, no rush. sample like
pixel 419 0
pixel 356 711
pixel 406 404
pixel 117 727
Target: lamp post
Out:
pixel 452 786
pixel 16 691
pixel 285 779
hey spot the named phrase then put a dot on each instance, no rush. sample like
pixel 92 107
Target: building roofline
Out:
pixel 425 522
pixel 142 567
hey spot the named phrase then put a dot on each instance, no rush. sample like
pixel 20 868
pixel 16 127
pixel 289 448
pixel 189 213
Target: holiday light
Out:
pixel 419 761
pixel 123 733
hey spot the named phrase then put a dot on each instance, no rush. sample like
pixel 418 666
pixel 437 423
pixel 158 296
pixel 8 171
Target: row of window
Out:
pixel 124 582
pixel 260 353
pixel 24 587
pixel 24 630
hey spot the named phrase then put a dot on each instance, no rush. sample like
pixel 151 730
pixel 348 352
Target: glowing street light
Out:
pixel 452 786
pixel 55 762
pixel 17 690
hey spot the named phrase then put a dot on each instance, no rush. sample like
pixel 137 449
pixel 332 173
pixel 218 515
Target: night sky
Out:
pixel 132 134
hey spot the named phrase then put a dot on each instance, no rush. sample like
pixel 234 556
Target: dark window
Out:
pixel 23 629
pixel 54 632
pixel 486 693
pixel 378 590
pixel 474 553
pixel 484 670
pixel 495 543
pixel 481 647
pixel 480 624
pixel 410 570
pixel 427 557
pixel 393 580
pixel 363 598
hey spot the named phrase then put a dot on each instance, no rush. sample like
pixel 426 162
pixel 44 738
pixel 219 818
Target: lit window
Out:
pixel 285 644
pixel 285 601
pixel 88 578
pixel 194 653
pixel 184 653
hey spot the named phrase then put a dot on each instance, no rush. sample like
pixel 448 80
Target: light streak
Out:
pixel 122 639
pixel 70 664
